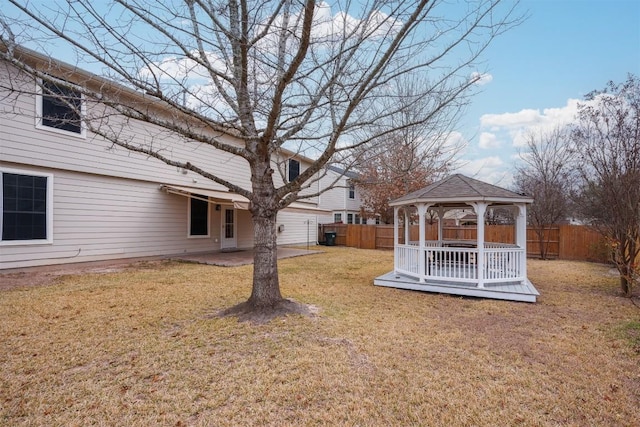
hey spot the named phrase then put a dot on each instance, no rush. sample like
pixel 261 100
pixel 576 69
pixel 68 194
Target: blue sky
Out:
pixel 565 49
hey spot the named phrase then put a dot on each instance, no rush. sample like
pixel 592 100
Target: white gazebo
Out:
pixel 460 267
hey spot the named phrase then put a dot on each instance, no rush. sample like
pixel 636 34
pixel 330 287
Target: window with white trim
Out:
pixel 198 216
pixel 349 218
pixel 59 109
pixel 337 217
pixel 26 206
pixel 352 191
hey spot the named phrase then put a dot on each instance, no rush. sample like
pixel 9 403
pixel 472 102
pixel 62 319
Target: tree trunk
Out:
pixel 266 284
pixel 625 286
pixel 265 293
pixel 541 242
pixel 625 283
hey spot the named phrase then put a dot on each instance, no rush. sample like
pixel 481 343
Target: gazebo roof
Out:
pixel 457 190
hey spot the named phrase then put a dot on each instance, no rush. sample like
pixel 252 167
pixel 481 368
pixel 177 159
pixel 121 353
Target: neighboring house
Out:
pixel 67 195
pixel 459 217
pixel 343 200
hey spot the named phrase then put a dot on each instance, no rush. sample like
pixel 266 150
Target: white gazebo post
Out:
pixel 480 209
pixel 422 210
pixel 396 239
pixel 406 225
pixel 521 236
pixel 441 211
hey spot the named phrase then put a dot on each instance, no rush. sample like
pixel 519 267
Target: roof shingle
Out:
pixel 461 188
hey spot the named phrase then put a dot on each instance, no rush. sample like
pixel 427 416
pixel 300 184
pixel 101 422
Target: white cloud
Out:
pixel 515 126
pixel 328 26
pixel 488 169
pixel 481 79
pixel 180 68
pixel 488 140
pixel 526 117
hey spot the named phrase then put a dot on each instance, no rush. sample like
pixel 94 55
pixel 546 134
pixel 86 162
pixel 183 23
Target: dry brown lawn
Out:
pixel 142 347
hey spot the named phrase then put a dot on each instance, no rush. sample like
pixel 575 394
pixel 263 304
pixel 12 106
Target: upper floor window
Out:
pixel 59 108
pixel 294 169
pixel 352 191
pixel 25 206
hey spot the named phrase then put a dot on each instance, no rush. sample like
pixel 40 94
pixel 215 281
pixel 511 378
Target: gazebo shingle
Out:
pixel 459 187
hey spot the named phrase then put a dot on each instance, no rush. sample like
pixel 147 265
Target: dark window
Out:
pixel 337 217
pixel 352 191
pixel 294 169
pixel 61 108
pixel 24 207
pixel 199 221
pixel 357 219
pixel 349 218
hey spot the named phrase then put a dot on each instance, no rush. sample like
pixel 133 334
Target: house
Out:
pixel 343 199
pixel 68 195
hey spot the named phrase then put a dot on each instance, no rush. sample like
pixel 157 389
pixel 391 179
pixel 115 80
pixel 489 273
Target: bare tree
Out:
pixel 418 146
pixel 546 174
pixel 273 74
pixel 607 137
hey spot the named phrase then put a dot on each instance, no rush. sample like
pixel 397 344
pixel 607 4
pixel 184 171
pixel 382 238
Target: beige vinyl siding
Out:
pixel 21 142
pixel 97 217
pixel 295 228
pixel 244 229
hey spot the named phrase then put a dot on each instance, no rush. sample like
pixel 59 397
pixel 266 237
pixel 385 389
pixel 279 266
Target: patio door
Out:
pixel 228 233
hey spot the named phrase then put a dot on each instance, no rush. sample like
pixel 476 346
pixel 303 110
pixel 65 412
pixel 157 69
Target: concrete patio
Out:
pixel 46 274
pixel 238 257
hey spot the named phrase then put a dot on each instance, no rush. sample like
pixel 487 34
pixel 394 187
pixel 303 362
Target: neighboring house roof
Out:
pixel 348 174
pixel 458 189
pixel 460 214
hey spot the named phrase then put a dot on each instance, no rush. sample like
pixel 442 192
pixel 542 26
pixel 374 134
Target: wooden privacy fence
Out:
pixel 570 242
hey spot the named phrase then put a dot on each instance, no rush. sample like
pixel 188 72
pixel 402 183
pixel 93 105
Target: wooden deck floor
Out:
pixel 515 291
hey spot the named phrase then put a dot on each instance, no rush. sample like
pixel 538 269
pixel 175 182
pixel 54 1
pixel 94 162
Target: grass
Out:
pixel 142 348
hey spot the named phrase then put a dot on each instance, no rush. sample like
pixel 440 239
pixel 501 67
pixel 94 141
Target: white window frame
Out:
pixel 198 236
pixel 352 192
pixel 337 217
pixel 49 239
pixel 349 218
pixel 41 126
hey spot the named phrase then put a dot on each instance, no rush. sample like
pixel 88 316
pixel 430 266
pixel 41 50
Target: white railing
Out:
pixel 406 260
pixel 460 264
pixel 451 263
pixel 503 264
